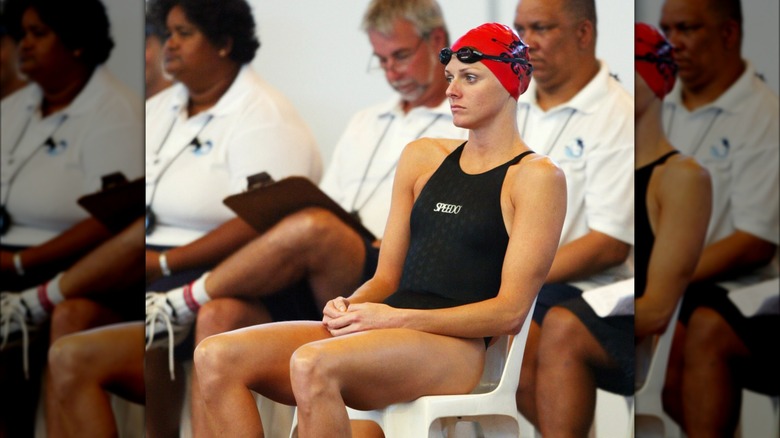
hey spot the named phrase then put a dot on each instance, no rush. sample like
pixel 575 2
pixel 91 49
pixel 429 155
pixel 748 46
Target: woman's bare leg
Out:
pixel 219 316
pixel 89 363
pixel 255 357
pixel 70 316
pixel 366 370
pixel 374 369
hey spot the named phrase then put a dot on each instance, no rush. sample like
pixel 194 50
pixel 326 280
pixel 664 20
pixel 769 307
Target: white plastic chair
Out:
pixel 649 415
pixel 491 405
pixel 760 413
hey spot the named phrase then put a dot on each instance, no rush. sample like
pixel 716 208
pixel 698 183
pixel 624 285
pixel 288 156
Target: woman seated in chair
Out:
pixel 471 235
pixel 580 351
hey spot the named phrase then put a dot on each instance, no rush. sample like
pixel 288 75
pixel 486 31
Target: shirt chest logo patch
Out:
pixel 720 150
pixel 202 148
pixel 55 147
pixel 447 208
pixel 575 150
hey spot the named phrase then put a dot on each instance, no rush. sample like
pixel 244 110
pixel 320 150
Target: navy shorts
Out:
pixel 615 334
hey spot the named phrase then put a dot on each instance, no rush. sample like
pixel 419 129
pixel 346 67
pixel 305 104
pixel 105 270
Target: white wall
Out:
pixel 761 24
pixel 127 30
pixel 315 52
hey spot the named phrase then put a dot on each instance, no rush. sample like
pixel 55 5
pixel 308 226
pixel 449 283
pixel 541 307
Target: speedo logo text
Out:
pixel 447 208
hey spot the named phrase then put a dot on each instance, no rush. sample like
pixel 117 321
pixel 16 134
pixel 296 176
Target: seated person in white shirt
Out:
pixel 217 125
pixel 580 116
pixel 313 247
pixel 721 113
pixel 73 124
pixel 671 220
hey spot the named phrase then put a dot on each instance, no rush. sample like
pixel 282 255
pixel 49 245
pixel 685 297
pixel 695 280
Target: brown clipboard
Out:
pixel 262 207
pixel 118 204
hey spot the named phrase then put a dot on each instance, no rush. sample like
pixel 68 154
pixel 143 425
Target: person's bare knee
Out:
pixel 311 373
pixel 213 359
pixel 317 231
pixel 68 359
pixel 708 335
pixel 561 331
pixel 74 315
pixel 224 314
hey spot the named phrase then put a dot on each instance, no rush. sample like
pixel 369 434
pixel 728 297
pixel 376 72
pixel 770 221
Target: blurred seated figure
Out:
pixel 72 125
pixel 723 114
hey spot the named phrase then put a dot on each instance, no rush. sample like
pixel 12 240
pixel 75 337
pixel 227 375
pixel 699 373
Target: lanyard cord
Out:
pixel 560 131
pixel 48 142
pixel 702 136
pixel 389 171
pixel 194 142
pixel 170 128
pixel 23 131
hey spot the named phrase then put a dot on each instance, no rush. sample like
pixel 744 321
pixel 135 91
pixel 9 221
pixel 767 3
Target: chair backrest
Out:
pixel 504 358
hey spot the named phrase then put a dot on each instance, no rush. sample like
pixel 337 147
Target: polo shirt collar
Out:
pixel 85 101
pixel 228 103
pixel 587 100
pixel 730 101
pixel 393 106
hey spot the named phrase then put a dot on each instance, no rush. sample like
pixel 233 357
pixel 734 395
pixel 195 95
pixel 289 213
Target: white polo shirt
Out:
pixel 360 175
pixel 736 138
pixel 100 132
pixel 592 138
pixel 253 128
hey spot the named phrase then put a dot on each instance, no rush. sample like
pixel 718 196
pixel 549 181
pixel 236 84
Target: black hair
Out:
pixel 154 28
pixel 729 9
pixel 11 19
pixel 67 20
pixel 219 20
pixel 583 10
pixel 3 26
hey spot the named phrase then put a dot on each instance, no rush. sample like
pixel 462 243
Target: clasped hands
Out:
pixel 341 318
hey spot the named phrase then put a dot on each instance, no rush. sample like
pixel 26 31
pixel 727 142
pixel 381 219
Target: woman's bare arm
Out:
pixel 684 198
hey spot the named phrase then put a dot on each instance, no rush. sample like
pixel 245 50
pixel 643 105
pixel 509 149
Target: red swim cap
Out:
pixel 495 39
pixel 653 59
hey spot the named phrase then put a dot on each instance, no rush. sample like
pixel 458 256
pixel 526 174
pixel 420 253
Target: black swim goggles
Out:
pixel 469 55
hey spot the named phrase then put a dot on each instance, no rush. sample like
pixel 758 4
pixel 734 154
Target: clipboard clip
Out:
pixel 258 180
pixel 112 180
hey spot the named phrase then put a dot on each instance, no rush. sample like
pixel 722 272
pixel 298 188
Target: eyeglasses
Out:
pixel 401 59
pixel 469 55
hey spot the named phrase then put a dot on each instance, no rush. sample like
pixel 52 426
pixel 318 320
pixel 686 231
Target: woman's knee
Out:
pixel 312 370
pixel 215 361
pixel 68 359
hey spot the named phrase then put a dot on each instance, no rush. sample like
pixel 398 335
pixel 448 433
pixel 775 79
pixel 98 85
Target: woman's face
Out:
pixel 41 51
pixel 474 93
pixel 188 53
